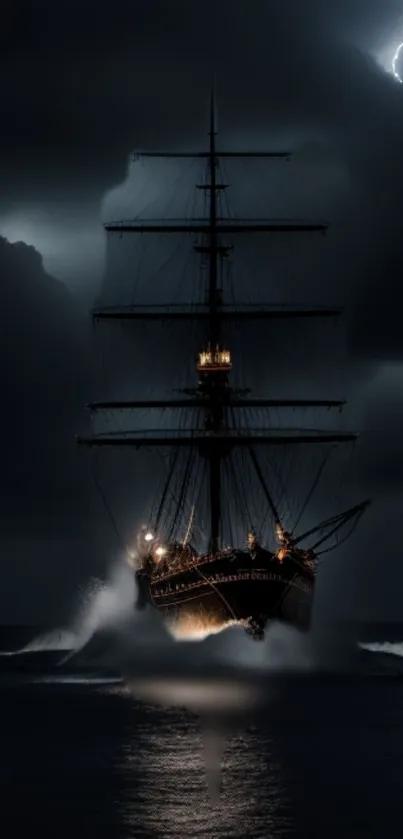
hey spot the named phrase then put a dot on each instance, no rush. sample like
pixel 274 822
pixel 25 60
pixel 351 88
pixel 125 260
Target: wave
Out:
pixel 103 604
pixel 388 647
pixel 72 679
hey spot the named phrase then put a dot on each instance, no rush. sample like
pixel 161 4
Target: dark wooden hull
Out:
pixel 236 587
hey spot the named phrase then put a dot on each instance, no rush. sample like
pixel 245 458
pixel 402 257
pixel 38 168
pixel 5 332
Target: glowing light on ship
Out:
pixel 220 359
pixel 160 551
pixel 189 627
pixel 251 540
pixel 279 532
pixel 205 358
pixel 148 537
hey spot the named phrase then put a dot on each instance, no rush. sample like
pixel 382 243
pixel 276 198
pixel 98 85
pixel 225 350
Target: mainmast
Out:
pixel 214 300
pixel 213 393
pixel 213 187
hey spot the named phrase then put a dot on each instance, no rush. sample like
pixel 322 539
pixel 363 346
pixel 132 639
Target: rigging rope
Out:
pixel 107 507
pixel 312 490
pixel 241 493
pixel 338 520
pixel 175 500
pixel 184 488
pixel 166 490
pixel 264 485
pixel 347 536
pixel 335 529
pixel 282 482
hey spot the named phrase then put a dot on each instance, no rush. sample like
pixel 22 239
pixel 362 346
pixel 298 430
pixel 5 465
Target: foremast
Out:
pixel 213 392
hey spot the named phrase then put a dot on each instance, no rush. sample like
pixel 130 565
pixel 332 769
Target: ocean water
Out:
pixel 223 738
pixel 82 757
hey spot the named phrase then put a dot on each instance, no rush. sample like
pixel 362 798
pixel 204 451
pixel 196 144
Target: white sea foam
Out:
pixel 103 604
pixel 390 647
pixel 283 648
pixel 144 643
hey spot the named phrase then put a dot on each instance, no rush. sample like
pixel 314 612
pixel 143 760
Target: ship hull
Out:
pixel 236 588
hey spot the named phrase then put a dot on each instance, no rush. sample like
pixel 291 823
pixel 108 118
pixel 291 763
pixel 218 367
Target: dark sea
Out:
pixel 210 739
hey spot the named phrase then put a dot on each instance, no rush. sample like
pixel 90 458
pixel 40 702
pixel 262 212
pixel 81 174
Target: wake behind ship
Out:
pixel 186 559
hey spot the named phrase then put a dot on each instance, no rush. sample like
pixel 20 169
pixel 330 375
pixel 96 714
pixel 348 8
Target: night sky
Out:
pixel 84 84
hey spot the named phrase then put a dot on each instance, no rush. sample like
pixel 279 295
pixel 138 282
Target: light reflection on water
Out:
pixel 92 758
pixel 195 782
pixel 208 696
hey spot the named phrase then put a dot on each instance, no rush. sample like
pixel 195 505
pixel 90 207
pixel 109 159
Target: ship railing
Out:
pixel 190 562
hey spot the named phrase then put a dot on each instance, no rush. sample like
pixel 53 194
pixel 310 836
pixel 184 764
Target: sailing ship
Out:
pixel 194 574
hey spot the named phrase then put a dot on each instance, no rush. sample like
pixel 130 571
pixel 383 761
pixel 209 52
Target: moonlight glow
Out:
pixel 394 64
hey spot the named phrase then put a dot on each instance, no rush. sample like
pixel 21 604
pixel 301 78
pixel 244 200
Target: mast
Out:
pixel 214 299
pixel 213 296
pixel 213 393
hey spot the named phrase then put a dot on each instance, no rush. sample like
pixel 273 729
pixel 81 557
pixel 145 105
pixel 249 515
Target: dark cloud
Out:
pixel 80 88
pixel 44 493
